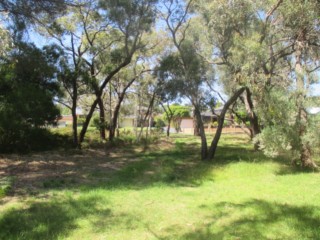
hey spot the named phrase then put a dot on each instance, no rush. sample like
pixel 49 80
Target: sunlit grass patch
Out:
pixel 170 193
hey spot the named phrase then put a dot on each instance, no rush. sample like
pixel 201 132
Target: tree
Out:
pixel 184 66
pixel 131 19
pixel 174 113
pixel 121 84
pixel 27 10
pixel 101 39
pixel 261 45
pixel 27 90
pixel 299 23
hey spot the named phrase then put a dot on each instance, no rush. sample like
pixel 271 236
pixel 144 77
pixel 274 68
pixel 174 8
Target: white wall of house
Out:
pixel 127 122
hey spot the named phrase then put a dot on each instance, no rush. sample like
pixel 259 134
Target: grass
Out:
pixel 168 193
pixel 5 186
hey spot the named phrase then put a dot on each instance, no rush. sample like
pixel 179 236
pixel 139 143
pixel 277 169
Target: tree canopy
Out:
pixel 152 54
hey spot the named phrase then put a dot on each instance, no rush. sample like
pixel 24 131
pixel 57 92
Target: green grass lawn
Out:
pixel 168 193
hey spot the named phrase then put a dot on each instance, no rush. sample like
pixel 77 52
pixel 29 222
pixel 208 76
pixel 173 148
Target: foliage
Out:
pixel 27 89
pixel 96 123
pixel 176 113
pixel 160 122
pixel 278 114
pixel 5 42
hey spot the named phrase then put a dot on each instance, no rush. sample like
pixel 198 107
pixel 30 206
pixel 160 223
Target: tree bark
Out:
pixel 99 95
pixel 74 125
pixel 196 130
pixel 215 141
pixel 149 112
pixel 74 113
pixel 87 121
pixel 253 118
pixel 113 124
pixel 204 146
pixel 169 115
pixel 102 120
pixel 302 116
pixel 168 128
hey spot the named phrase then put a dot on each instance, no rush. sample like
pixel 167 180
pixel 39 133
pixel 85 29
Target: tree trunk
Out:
pixel 102 120
pixel 169 114
pixel 99 95
pixel 253 118
pixel 204 147
pixel 87 121
pixel 74 113
pixel 168 128
pixel 114 122
pixel 149 112
pixel 215 141
pixel 196 130
pixel 302 116
pixel 149 124
pixel 74 125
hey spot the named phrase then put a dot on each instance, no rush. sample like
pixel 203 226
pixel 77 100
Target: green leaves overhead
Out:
pixel 131 16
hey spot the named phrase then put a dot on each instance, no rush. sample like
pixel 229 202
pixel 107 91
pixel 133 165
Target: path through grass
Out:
pixel 171 194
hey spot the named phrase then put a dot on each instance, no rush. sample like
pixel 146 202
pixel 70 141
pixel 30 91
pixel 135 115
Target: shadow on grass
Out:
pixel 48 220
pixel 180 167
pixel 137 168
pixel 256 219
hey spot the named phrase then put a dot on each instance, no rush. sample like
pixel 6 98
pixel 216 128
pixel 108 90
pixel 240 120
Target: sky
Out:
pixel 40 41
pixel 315 89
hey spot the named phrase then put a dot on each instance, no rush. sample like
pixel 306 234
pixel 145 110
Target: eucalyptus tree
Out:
pixel 121 84
pixel 238 48
pixel 183 65
pixel 77 34
pixel 29 9
pixel 100 38
pixel 167 91
pixel 145 98
pixel 299 24
pixel 247 50
pixel 258 44
pixel 130 19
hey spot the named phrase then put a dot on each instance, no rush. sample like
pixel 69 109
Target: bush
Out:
pixel 159 124
pixel 25 139
pixel 95 122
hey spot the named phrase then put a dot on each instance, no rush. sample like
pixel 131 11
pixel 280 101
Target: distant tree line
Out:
pixel 104 56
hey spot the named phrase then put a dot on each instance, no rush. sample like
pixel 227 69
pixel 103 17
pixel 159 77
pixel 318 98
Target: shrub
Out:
pixel 95 122
pixel 24 139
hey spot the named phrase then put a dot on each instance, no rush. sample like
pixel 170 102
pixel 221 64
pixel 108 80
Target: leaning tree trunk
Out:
pixel 204 147
pixel 253 118
pixel 215 141
pixel 87 121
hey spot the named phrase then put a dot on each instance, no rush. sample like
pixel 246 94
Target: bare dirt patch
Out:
pixel 37 171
